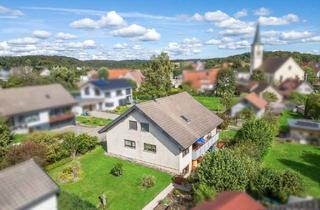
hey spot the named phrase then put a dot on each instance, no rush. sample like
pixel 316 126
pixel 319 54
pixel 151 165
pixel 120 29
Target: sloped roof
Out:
pixel 257 38
pixel 23 185
pixel 197 78
pixel 231 201
pixel 271 65
pixel 111 84
pixel 262 86
pixel 137 75
pixel 117 73
pixel 255 100
pixel 33 98
pixel 180 116
pixel 290 85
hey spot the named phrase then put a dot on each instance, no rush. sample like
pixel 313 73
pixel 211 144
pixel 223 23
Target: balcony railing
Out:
pixel 205 147
pixel 61 117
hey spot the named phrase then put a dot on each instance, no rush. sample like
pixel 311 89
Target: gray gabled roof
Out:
pixel 271 65
pixel 257 38
pixel 302 205
pixel 24 185
pixel 33 98
pixel 180 116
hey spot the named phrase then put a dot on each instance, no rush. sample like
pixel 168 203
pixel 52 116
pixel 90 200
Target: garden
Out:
pixel 214 103
pixel 130 187
pixel 92 121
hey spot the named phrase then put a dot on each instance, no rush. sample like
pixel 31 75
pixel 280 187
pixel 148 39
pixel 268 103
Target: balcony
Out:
pixel 61 117
pixel 200 150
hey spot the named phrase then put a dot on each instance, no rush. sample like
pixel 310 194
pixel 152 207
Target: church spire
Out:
pixel 257 38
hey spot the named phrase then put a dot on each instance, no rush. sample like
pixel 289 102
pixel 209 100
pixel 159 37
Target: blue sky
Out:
pixel 138 29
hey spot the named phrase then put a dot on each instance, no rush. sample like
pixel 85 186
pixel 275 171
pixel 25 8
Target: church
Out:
pixel 275 69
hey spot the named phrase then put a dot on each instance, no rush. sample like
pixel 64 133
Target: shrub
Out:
pixel 4 137
pixel 202 192
pixel 312 109
pixel 269 97
pixel 117 169
pixel 224 170
pixel 276 184
pixel 148 181
pixel 71 173
pixel 68 201
pixel 86 143
pixel 26 151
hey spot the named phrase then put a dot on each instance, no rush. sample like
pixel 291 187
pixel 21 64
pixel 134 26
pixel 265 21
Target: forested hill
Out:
pixel 39 61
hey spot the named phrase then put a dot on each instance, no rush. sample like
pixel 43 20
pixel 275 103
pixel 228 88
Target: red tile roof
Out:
pixel 231 201
pixel 255 100
pixel 136 75
pixel 117 73
pixel 197 78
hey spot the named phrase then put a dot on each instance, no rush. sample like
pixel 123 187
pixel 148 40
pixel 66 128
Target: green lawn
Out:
pixel 283 120
pixel 121 109
pixel 94 121
pixel 17 138
pixel 227 134
pixel 213 103
pixel 303 159
pixel 122 192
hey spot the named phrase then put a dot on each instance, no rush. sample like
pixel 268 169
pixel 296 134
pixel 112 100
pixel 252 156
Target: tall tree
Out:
pixel 103 73
pixel 65 76
pixel 226 83
pixel 311 75
pixel 312 107
pixel 258 75
pixel 157 74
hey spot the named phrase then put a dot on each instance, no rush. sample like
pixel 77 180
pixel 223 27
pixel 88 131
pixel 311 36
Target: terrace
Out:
pixel 202 145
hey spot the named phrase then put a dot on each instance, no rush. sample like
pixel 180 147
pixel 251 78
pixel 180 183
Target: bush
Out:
pixel 148 181
pixel 4 137
pixel 71 173
pixel 312 107
pixel 26 151
pixel 68 201
pixel 277 184
pixel 117 169
pixel 202 192
pixel 86 143
pixel 224 170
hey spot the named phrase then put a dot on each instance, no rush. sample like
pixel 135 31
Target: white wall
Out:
pixel 256 57
pixel 42 115
pixel 304 88
pixel 168 155
pixel 48 204
pixel 284 72
pixel 114 99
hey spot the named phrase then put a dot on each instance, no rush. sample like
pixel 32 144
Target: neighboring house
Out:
pixel 104 95
pixel 246 86
pixel 176 81
pixel 201 80
pixel 230 201
pixel 4 74
pixel 263 88
pixel 169 133
pixel 253 101
pixel 276 69
pixel 304 131
pixel 45 72
pixel 37 107
pixel 287 87
pixel 301 205
pixel 27 186
pixel 134 75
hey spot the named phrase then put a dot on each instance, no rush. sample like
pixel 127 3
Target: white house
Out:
pixel 104 95
pixel 252 101
pixel 276 69
pixel 27 186
pixel 169 133
pixel 37 107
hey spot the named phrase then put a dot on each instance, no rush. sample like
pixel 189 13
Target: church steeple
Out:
pixel 256 57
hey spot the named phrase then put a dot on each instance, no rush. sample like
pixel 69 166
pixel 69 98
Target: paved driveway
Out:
pixel 105 115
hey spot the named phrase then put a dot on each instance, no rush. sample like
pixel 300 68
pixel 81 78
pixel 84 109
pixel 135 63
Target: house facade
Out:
pixel 204 80
pixel 104 95
pixel 305 131
pixel 27 186
pixel 162 136
pixel 252 101
pixel 37 107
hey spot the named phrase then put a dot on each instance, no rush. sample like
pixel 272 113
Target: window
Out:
pixel 107 94
pixel 185 152
pixel 133 125
pixel 144 127
pixel 87 91
pixel 185 170
pixel 289 67
pixel 109 104
pixel 96 91
pixel 119 92
pixel 150 148
pixel 128 91
pixel 130 144
pixel 32 118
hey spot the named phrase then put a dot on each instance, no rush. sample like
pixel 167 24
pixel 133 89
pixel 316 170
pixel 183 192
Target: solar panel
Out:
pixel 307 124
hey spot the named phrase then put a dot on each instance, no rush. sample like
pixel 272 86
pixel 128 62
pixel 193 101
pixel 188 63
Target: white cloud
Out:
pixel 241 13
pixel 65 36
pixel 9 11
pixel 133 30
pixel 216 16
pixel 210 30
pixel 284 20
pixel 262 12
pixel 86 44
pixel 197 17
pixel 120 46
pixel 312 39
pixel 150 35
pixel 213 42
pixel 23 41
pixel 235 45
pixel 188 46
pixel 246 30
pixel 41 34
pixel 4 46
pixel 111 19
pixel 293 35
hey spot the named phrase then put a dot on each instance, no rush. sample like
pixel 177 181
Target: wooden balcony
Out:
pixel 200 150
pixel 61 117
